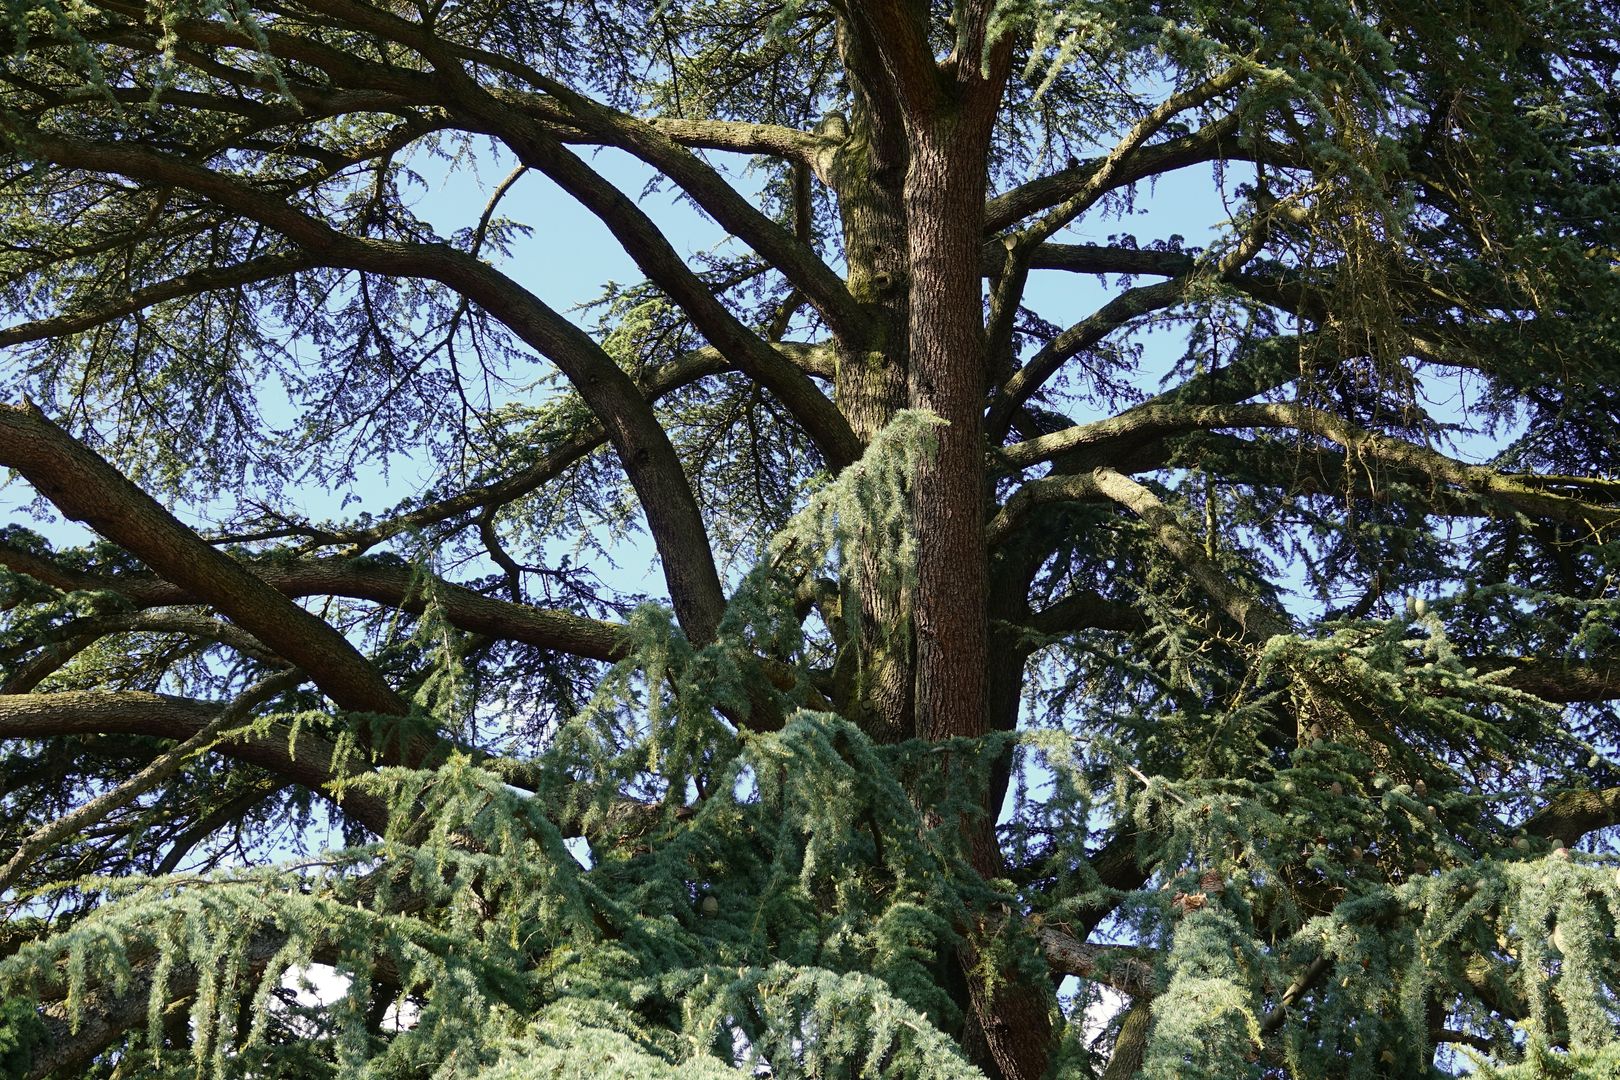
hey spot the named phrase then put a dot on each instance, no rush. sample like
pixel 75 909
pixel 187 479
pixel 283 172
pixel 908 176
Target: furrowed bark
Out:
pixel 866 167
pixel 947 110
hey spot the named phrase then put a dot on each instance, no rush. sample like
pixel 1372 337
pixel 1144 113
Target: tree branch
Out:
pixel 1256 618
pixel 1519 492
pixel 161 768
pixel 650 142
pixel 1119 966
pixel 643 447
pixel 190 284
pixel 897 32
pixel 1213 142
pixel 1012 394
pixel 45 716
pixel 1570 815
pixel 86 488
pixel 653 253
pixel 399 587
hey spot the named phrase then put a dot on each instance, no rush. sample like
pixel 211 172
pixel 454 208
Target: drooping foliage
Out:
pixel 1127 494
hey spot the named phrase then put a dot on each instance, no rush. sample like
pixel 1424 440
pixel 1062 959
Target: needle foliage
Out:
pixel 1101 562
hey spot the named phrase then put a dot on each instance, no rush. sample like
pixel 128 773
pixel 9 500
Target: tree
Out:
pixel 1270 699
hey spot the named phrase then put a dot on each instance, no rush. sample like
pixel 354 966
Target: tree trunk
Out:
pixel 869 174
pixel 944 202
pixel 945 188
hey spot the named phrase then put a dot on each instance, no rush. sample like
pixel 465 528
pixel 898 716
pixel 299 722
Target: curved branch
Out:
pixel 658 259
pixel 1517 492
pixel 161 768
pixel 649 459
pixel 1570 815
pixel 1102 174
pixel 1123 308
pixel 399 587
pixel 1216 141
pixel 131 712
pixel 86 488
pixel 216 819
pixel 191 284
pixel 509 112
pixel 577 446
pixel 1256 618
pixel 1132 303
pixel 67 641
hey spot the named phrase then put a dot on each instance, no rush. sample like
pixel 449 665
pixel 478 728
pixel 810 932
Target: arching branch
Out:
pixel 44 716
pixel 644 448
pixel 86 488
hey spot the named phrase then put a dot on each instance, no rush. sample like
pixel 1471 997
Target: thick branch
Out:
pixel 1306 979
pixel 1570 815
pixel 1559 681
pixel 653 143
pixel 88 489
pixel 1517 492
pixel 1255 617
pixel 130 712
pixel 658 144
pixel 644 448
pixel 1098 259
pixel 394 586
pixel 1086 610
pixel 1121 967
pixel 658 259
pixel 161 768
pixel 897 32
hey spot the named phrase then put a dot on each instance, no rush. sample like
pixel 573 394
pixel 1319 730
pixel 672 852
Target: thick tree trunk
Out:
pixel 945 188
pixel 869 173
pixel 946 111
pixel 944 202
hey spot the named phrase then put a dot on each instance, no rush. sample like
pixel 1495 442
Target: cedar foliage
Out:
pixel 1267 722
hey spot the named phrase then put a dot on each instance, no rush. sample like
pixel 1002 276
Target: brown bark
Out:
pixel 947 110
pixel 44 716
pixel 944 192
pixel 1130 1045
pixel 866 166
pixel 86 488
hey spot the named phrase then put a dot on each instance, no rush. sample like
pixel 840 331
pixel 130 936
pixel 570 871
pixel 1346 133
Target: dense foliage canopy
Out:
pixel 1081 651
